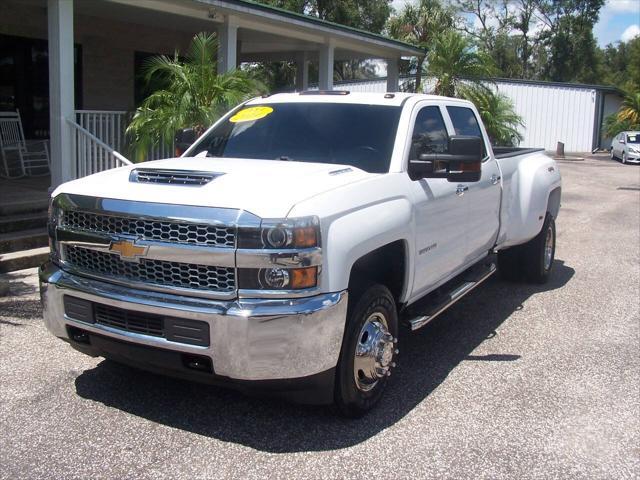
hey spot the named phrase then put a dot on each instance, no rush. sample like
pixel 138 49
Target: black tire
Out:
pixel 510 263
pixel 351 400
pixel 613 157
pixel 537 263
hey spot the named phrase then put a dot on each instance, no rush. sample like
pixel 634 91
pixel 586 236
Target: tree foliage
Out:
pixel 621 65
pixel 626 118
pixel 420 24
pixel 497 112
pixel 194 94
pixel 453 59
pixel 368 15
pixel 538 39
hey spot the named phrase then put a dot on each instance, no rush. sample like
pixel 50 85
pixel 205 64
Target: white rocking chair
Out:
pixel 33 155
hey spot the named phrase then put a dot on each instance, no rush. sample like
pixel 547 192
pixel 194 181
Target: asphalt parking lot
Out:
pixel 516 381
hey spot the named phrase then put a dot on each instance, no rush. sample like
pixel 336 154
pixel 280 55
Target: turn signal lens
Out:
pixel 303 277
pixel 305 237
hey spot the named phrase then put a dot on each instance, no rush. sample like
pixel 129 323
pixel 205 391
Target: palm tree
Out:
pixel 626 118
pixel 194 96
pixel 419 25
pixel 497 113
pixel 452 60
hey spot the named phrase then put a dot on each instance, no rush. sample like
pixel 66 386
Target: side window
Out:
pixel 429 133
pixel 465 123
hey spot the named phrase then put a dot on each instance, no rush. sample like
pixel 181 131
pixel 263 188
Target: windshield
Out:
pixel 350 134
pixel 635 138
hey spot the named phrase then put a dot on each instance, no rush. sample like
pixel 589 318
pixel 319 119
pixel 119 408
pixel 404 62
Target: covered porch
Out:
pixel 95 49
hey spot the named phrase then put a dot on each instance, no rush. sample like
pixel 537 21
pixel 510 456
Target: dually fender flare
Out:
pixel 354 235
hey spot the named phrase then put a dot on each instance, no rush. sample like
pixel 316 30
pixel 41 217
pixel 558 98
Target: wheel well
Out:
pixel 385 265
pixel 553 204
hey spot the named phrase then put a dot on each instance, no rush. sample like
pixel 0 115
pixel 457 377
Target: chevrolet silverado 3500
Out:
pixel 285 248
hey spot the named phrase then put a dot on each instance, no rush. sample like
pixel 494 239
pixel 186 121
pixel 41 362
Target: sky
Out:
pixel 619 20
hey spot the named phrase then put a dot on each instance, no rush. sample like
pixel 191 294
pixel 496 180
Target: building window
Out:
pixel 24 81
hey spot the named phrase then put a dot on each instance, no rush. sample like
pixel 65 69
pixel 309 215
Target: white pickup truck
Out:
pixel 285 248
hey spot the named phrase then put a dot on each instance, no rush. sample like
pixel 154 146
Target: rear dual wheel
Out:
pixel 532 260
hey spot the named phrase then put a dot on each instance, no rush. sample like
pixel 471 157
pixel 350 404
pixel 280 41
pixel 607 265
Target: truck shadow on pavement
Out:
pixel 427 357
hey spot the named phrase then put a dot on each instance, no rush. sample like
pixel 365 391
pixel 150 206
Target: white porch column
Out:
pixel 302 71
pixel 61 91
pixel 227 45
pixel 393 76
pixel 325 70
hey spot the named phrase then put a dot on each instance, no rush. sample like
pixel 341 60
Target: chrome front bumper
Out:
pixel 251 339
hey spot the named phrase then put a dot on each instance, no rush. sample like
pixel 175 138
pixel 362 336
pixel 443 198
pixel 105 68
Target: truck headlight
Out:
pixel 284 233
pixel 291 237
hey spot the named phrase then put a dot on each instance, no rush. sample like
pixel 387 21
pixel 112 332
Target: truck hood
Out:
pixel 267 188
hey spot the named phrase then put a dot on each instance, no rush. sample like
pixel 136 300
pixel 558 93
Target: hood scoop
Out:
pixel 172 177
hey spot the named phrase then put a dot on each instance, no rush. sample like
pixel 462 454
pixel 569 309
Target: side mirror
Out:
pixel 183 140
pixel 463 162
pixel 622 140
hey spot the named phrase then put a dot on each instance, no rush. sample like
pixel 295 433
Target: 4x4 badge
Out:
pixel 128 250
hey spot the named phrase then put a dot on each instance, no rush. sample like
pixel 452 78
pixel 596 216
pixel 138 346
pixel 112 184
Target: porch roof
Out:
pixel 265 33
pixel 307 21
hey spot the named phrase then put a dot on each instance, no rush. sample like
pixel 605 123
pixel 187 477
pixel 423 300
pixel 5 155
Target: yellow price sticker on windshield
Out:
pixel 250 114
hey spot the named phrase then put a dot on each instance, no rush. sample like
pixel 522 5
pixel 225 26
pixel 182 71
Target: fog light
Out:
pixel 275 277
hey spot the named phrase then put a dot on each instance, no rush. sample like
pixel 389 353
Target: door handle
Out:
pixel 460 189
pixel 495 179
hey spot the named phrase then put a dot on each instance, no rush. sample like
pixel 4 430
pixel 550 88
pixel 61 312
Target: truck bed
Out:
pixel 507 152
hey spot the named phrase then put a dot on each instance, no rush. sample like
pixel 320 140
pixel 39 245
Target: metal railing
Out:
pixel 92 155
pixel 109 126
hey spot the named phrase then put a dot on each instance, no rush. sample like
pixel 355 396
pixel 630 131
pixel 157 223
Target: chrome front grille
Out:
pixel 153 272
pixel 151 229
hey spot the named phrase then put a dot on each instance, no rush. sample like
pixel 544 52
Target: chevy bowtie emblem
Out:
pixel 128 250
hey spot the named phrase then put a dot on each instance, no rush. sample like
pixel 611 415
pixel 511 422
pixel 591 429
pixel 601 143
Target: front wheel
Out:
pixel 613 157
pixel 368 351
pixel 624 157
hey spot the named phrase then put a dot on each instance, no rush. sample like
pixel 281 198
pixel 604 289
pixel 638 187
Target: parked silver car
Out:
pixel 626 147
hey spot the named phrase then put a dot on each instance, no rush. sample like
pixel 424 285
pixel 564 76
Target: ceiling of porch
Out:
pixel 262 36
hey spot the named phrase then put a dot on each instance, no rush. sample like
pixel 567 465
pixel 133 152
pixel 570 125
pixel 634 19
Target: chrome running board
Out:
pixel 474 277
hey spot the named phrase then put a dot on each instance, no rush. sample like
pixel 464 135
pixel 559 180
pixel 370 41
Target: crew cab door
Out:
pixel 440 212
pixel 483 197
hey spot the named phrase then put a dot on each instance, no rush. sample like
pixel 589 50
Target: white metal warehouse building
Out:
pixel 552 112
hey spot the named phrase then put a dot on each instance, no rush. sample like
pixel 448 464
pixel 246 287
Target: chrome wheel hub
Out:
pixel 374 352
pixel 548 249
